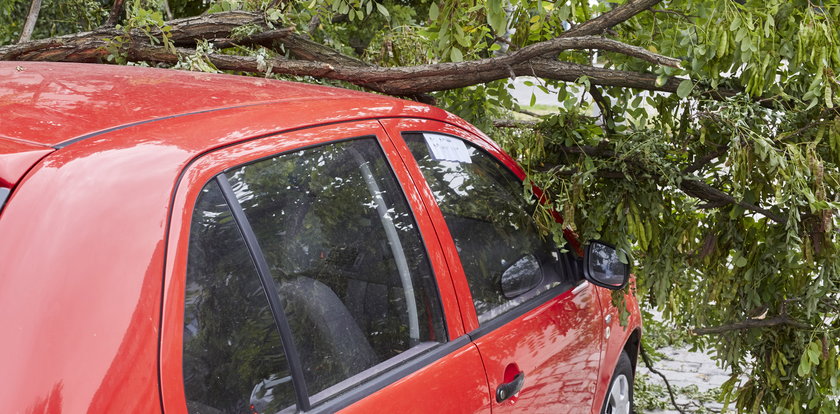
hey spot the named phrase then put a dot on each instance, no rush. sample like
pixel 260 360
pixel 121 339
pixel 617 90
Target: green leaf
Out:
pixel 496 16
pixel 685 88
pixel 383 10
pixel 741 261
pixel 804 366
pixel 434 11
pixel 661 79
pixel 455 55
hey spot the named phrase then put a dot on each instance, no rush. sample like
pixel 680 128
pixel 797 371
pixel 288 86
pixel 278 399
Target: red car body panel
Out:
pixel 93 238
pixel 16 157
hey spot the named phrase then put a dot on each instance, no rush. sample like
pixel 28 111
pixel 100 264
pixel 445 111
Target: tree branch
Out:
pixel 750 324
pixel 514 123
pixel 700 162
pixel 31 19
pixel 609 19
pixel 327 63
pixel 649 365
pixel 114 15
pixel 606 110
pixel 690 186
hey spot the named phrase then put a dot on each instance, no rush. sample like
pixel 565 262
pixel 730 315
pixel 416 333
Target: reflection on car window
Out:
pixel 233 358
pixel 344 250
pixel 489 220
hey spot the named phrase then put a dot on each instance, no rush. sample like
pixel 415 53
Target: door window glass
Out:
pixel 346 255
pixel 233 360
pixel 490 222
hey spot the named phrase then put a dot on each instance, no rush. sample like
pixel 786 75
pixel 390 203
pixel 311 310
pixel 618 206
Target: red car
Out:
pixel 188 242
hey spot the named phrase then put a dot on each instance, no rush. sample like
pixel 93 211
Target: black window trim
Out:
pixel 352 395
pixel 521 309
pixel 292 356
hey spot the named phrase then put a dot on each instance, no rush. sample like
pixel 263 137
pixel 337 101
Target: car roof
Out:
pixel 47 105
pixel 52 103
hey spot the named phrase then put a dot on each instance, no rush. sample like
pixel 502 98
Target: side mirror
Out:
pixel 522 276
pixel 602 267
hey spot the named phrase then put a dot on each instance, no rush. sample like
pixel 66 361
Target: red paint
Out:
pixel 16 157
pixel 93 240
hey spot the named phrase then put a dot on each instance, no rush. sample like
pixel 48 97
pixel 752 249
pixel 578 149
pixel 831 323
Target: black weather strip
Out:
pixel 61 145
pixel 253 245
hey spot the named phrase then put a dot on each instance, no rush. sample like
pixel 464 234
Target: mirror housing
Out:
pixel 522 276
pixel 602 267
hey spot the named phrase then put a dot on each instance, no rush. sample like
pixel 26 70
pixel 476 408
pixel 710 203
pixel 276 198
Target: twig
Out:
pixel 750 324
pixel 809 125
pixel 649 365
pixel 672 12
pixel 514 123
pixel 609 19
pixel 702 161
pixel 606 111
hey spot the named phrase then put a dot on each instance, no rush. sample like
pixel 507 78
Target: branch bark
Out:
pixel 690 186
pixel 611 18
pixel 751 324
pixel 114 15
pixel 320 61
pixel 31 19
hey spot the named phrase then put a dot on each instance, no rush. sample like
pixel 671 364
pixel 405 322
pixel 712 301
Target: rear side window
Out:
pixel 233 360
pixel 346 256
pixel 490 222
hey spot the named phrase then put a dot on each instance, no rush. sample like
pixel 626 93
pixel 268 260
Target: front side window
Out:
pixel 504 257
pixel 345 254
pixel 233 360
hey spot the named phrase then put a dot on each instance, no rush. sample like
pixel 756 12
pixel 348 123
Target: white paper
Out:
pixel 444 148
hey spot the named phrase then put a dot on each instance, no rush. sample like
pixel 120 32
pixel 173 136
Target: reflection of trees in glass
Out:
pixel 486 215
pixel 316 220
pixel 232 352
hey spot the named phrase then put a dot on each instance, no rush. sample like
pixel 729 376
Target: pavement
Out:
pixel 684 368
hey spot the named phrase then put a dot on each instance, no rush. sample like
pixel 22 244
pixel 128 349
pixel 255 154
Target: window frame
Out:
pixel 397 128
pixel 213 165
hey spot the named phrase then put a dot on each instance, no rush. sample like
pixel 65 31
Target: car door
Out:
pixel 536 323
pixel 307 276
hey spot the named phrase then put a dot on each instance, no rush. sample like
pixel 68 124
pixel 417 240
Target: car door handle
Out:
pixel 510 389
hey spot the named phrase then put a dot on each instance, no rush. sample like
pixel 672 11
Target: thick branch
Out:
pixel 31 19
pixel 327 63
pixel 80 47
pixel 751 324
pixel 611 18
